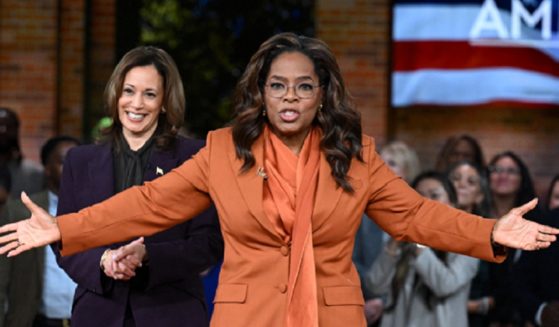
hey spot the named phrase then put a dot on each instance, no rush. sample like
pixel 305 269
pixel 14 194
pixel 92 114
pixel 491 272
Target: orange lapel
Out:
pixel 251 184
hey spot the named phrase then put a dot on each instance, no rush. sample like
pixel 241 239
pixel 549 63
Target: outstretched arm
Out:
pixel 137 211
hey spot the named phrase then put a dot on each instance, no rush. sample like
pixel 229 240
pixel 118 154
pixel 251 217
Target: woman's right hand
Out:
pixel 39 230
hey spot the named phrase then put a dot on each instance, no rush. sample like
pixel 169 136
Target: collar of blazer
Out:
pixel 251 186
pixel 101 170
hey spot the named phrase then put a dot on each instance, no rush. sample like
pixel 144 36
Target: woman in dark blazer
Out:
pixel 145 99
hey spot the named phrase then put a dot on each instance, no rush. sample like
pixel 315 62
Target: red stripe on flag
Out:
pixel 414 55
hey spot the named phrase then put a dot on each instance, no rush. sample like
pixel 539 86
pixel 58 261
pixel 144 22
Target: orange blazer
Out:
pixel 253 280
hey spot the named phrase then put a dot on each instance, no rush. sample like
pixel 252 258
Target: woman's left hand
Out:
pixel 513 231
pixel 128 258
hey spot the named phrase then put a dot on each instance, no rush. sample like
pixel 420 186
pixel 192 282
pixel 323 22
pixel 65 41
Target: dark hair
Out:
pixel 550 190
pixel 441 178
pixel 5 178
pixel 449 146
pixel 9 140
pixel 50 145
pixel 10 115
pixel 169 121
pixel 483 208
pixel 338 119
pixel 526 191
pixel 409 250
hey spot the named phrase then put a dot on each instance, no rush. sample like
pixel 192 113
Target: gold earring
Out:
pixel 320 108
pixel 163 110
pixel 263 112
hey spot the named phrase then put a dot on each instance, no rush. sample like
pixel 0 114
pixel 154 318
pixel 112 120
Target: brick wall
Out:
pixel 71 68
pixel 44 46
pixel 359 34
pixel 28 67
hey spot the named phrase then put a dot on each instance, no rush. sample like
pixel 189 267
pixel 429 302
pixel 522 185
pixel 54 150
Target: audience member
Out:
pixel 510 184
pixel 25 174
pixel 424 287
pixel 34 288
pixel 472 189
pixel 459 148
pixel 369 239
pixel 553 194
pixel 159 283
pixel 401 159
pixel 5 185
pixel 536 286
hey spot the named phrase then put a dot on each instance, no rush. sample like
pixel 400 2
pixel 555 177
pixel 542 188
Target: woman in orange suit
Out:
pixel 290 180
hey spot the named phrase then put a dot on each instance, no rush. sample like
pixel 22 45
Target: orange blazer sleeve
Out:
pixel 169 200
pixel 407 216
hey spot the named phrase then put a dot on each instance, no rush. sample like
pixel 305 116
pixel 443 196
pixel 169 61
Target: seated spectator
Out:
pixel 25 174
pixel 424 287
pixel 35 290
pixel 459 148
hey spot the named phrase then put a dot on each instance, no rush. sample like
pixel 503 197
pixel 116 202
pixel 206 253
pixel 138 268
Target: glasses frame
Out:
pixel 507 171
pixel 294 87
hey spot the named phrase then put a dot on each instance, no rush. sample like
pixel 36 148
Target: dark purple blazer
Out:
pixel 165 292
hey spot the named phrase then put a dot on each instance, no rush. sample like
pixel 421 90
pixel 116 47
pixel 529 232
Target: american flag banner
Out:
pixel 475 53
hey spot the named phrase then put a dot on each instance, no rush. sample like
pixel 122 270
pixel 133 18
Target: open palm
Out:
pixel 512 230
pixel 39 230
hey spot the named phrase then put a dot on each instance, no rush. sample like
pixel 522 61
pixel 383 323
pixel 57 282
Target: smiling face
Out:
pixel 505 177
pixel 291 116
pixel 140 104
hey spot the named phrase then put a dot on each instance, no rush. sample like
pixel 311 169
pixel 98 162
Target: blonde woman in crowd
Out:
pixel 401 159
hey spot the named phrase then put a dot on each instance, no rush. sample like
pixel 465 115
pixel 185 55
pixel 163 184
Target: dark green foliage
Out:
pixel 212 41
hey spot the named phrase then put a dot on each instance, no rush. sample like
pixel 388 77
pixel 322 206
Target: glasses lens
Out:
pixel 304 90
pixel 276 90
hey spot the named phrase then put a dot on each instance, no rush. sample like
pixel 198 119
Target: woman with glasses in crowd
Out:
pixel 510 184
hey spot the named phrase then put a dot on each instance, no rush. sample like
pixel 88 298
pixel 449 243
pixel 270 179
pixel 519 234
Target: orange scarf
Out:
pixel 288 202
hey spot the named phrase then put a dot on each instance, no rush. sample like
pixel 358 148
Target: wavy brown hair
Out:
pixel 172 119
pixel 338 119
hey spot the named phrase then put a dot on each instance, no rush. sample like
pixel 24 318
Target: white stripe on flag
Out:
pixel 473 86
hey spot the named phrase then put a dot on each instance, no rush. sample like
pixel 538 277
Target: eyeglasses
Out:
pixel 303 90
pixel 504 170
